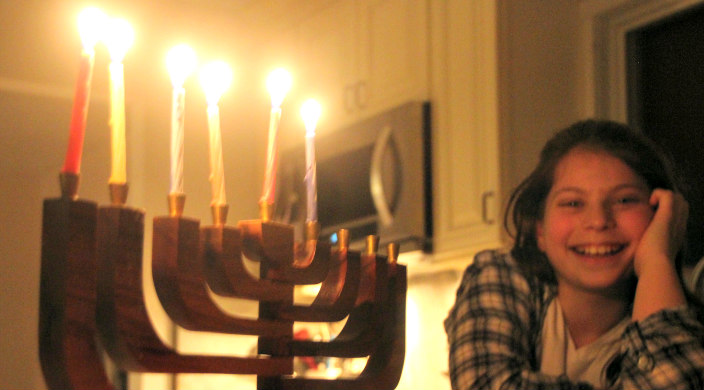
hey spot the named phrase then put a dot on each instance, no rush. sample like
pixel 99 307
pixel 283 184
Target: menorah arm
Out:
pixel 178 271
pixel 226 273
pixel 342 282
pixel 385 363
pixel 271 242
pixel 123 322
pixel 361 333
pixel 337 294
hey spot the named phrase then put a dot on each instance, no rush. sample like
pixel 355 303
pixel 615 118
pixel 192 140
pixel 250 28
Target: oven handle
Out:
pixel 376 185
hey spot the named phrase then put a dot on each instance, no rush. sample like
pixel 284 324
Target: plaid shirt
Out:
pixel 494 335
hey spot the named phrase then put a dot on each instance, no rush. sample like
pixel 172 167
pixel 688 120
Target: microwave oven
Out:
pixel 373 178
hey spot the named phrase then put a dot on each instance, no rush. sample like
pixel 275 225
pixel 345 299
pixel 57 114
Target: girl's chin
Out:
pixel 612 283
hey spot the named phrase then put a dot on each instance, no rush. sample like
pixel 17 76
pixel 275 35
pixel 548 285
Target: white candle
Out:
pixel 310 111
pixel 278 84
pixel 180 61
pixel 177 135
pixel 215 77
pixel 118 39
pixel 217 166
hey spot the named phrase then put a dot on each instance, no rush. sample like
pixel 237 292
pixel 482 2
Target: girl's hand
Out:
pixel 666 233
pixel 659 286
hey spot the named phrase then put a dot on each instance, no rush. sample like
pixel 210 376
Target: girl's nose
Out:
pixel 599 217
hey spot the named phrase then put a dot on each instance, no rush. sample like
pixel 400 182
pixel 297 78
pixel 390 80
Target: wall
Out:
pixel 539 70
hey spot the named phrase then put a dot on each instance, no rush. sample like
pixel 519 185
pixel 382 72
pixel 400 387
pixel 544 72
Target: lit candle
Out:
pixel 118 39
pixel 310 111
pixel 278 83
pixel 181 62
pixel 215 78
pixel 90 24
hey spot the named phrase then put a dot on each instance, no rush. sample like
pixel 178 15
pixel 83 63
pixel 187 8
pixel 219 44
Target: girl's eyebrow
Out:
pixel 623 186
pixel 568 189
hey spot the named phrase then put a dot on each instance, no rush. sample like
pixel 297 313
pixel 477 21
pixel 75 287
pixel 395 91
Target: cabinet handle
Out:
pixel 361 94
pixel 485 207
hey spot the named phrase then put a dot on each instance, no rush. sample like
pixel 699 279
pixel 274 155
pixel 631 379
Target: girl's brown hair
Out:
pixel 527 202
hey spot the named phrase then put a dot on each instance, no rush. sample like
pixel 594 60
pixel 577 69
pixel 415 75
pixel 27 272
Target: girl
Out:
pixel 590 295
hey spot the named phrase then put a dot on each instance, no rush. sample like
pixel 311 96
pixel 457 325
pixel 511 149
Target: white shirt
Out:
pixel 587 363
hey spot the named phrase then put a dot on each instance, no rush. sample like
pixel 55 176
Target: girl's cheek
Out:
pixel 642 220
pixel 562 222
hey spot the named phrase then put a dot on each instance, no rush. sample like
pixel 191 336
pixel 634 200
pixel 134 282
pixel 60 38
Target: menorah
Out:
pixel 92 299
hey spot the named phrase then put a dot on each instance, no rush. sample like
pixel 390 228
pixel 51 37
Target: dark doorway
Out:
pixel 666 100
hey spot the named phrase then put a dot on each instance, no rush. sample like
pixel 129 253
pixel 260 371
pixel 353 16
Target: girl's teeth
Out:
pixel 599 250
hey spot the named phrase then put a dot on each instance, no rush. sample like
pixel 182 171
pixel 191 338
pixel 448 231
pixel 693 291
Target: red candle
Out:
pixel 91 21
pixel 72 163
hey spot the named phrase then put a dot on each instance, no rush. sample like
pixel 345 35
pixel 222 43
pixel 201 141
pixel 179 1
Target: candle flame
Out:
pixel 278 83
pixel 118 38
pixel 91 27
pixel 215 78
pixel 181 62
pixel 310 111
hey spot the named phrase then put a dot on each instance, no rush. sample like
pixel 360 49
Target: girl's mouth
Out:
pixel 598 250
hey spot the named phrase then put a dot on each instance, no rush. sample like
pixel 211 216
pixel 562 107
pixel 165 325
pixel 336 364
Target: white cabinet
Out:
pixel 358 58
pixel 361 57
pixel 326 61
pixel 467 212
pixel 392 55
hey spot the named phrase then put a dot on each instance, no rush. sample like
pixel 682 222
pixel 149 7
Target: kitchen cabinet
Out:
pixel 392 55
pixel 362 57
pixel 464 94
pixel 358 58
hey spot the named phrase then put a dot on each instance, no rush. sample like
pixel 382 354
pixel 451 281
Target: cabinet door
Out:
pixel 327 61
pixel 392 53
pixel 465 125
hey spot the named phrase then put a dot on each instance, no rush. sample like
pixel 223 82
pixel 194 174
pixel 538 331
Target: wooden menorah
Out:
pixel 91 297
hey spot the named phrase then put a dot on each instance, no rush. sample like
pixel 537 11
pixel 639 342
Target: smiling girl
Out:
pixel 590 295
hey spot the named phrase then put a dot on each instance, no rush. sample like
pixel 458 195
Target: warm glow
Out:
pixel 118 38
pixel 413 324
pixel 278 84
pixel 91 25
pixel 310 111
pixel 181 62
pixel 215 78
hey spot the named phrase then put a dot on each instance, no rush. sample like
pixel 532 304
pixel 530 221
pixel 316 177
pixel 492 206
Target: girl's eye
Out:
pixel 628 200
pixel 570 203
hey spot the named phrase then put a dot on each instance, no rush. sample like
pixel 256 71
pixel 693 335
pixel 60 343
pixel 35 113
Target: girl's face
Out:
pixel 595 215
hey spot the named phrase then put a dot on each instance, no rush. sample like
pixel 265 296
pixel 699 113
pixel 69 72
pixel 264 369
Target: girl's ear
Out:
pixel 540 235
